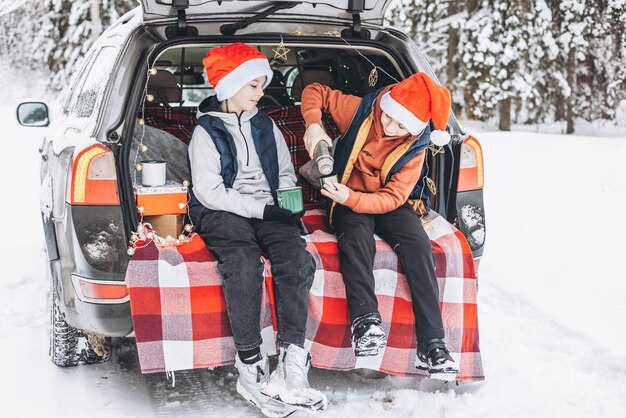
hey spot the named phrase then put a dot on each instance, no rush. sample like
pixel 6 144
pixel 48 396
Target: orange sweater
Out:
pixel 367 193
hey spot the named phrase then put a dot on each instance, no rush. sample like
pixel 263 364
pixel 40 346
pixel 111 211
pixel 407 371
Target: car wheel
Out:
pixel 63 337
pixel 69 346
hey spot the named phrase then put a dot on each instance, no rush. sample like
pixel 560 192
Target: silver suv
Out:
pixel 141 82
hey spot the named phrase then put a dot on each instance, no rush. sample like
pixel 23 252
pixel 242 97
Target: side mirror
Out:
pixel 33 114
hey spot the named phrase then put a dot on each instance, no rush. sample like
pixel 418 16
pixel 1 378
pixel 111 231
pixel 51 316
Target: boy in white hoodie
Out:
pixel 238 160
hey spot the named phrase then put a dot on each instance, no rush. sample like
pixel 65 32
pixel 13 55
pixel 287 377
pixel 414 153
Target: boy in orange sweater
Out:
pixel 378 161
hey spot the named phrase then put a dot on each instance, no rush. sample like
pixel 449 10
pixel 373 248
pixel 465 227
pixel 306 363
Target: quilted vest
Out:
pixel 264 143
pixel 395 160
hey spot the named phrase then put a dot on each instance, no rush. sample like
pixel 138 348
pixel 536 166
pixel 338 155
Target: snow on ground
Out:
pixel 550 303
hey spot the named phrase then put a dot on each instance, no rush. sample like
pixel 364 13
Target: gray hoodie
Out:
pixel 251 190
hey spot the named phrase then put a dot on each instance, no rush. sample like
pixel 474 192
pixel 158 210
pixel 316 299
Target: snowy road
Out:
pixel 551 304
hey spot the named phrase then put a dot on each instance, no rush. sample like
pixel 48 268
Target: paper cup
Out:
pixel 326 180
pixel 290 198
pixel 153 172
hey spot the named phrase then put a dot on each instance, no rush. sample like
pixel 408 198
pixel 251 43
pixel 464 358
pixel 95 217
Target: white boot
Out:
pixel 289 382
pixel 251 378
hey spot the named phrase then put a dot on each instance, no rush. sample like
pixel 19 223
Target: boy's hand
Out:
pixel 314 134
pixel 275 213
pixel 336 191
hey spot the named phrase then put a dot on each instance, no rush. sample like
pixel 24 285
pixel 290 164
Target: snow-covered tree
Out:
pixel 602 73
pixel 532 60
pixel 54 35
pixel 69 29
pixel 435 26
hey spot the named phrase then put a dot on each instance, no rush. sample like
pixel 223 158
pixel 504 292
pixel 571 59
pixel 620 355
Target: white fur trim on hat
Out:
pixel 400 113
pixel 232 82
pixel 439 138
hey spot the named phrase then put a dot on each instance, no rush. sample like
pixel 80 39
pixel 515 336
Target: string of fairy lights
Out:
pixel 145 233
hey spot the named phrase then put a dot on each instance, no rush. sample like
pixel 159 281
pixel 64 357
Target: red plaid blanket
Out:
pixel 180 319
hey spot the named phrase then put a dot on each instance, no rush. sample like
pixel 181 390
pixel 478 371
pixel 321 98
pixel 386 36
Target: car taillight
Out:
pixel 471 175
pixel 94 181
pixel 100 291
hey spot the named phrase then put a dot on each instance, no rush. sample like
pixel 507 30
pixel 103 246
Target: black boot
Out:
pixel 368 337
pixel 434 357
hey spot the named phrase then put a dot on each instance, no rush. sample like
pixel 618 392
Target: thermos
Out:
pixel 323 157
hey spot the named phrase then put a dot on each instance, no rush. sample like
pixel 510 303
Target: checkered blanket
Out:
pixel 180 319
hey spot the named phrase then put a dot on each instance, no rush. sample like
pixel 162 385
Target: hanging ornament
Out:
pixel 143 148
pixel 153 71
pixel 186 183
pixel 131 251
pixel 373 78
pixel 434 149
pixel 150 97
pixel 281 51
pixel 141 121
pixel 139 167
pixel 431 185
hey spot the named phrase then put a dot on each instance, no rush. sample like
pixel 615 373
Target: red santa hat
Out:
pixel 231 67
pixel 416 100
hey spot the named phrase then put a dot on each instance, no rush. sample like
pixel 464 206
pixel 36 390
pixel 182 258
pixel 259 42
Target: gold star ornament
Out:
pixel 281 51
pixel 373 78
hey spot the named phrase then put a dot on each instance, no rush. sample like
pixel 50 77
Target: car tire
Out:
pixel 69 346
pixel 63 337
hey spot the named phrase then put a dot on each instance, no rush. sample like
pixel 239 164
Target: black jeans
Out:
pixel 237 243
pixel 403 230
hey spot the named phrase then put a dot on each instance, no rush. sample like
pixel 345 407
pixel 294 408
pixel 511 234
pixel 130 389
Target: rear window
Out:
pixel 88 93
pixel 345 69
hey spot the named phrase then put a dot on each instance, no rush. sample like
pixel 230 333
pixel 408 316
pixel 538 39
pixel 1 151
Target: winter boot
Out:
pixel 289 382
pixel 251 377
pixel 434 357
pixel 368 337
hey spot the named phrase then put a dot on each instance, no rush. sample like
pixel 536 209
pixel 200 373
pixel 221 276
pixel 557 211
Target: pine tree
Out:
pixel 54 35
pixel 70 28
pixel 495 43
pixel 603 69
pixel 434 25
pixel 536 60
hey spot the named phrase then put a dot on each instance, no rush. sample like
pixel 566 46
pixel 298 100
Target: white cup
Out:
pixel 153 172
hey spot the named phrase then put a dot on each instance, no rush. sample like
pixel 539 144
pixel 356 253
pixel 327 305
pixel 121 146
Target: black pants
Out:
pixel 237 243
pixel 403 230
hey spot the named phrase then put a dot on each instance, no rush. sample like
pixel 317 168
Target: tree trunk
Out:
pixel 505 114
pixel 571 81
pixel 472 6
pixel 96 19
pixel 452 69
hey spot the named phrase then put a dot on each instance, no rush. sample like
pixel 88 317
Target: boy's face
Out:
pixel 248 96
pixel 392 127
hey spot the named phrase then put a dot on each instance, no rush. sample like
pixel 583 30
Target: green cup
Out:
pixel 290 198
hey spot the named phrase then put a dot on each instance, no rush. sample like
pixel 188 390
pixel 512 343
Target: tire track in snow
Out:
pixel 548 363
